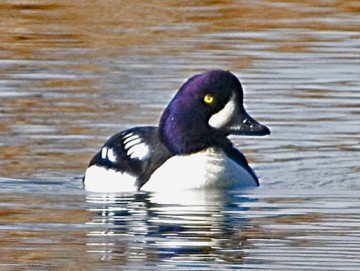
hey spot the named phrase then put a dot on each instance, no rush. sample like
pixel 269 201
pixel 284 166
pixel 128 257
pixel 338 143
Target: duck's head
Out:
pixel 206 109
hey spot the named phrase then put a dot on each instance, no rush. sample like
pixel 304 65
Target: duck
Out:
pixel 189 149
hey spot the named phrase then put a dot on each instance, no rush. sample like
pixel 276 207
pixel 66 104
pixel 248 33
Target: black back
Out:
pixel 124 158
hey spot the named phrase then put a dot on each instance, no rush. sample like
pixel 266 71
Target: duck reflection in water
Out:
pixel 146 227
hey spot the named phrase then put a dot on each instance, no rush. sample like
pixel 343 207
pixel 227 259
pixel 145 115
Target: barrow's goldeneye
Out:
pixel 189 148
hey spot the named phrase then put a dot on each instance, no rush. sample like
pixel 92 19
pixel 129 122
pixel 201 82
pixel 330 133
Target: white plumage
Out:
pixel 210 168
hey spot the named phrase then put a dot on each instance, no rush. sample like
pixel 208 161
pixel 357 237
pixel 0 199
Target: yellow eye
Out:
pixel 209 99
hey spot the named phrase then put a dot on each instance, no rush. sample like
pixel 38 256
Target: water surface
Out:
pixel 73 73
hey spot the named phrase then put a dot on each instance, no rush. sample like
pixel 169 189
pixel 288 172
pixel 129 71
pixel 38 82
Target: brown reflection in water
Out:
pixel 37 232
pixel 30 26
pixel 31 209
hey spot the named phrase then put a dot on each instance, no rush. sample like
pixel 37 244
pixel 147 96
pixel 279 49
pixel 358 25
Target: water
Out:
pixel 73 73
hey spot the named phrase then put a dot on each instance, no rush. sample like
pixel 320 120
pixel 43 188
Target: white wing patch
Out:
pixel 111 155
pixel 135 147
pixel 108 154
pixel 104 152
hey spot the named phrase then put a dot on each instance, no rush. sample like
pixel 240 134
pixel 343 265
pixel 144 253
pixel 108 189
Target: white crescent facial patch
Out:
pixel 222 117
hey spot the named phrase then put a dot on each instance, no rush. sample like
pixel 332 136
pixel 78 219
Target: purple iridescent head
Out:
pixel 206 109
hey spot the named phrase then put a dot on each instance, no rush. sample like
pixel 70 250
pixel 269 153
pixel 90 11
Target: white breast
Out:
pixel 209 168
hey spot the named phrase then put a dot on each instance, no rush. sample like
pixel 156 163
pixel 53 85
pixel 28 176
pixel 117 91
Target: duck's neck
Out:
pixel 186 133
